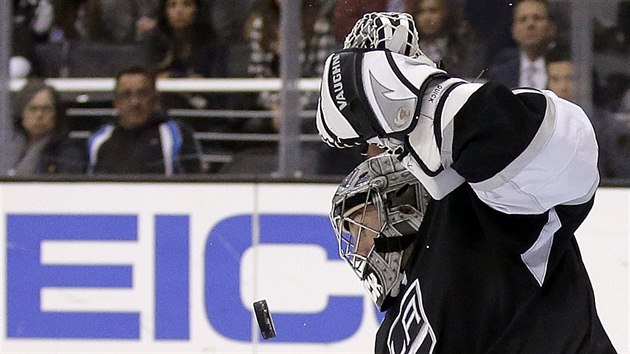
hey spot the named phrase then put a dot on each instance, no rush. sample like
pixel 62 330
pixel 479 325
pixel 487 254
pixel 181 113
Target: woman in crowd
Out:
pixel 41 140
pixel 105 21
pixel 445 37
pixel 185 46
pixel 262 30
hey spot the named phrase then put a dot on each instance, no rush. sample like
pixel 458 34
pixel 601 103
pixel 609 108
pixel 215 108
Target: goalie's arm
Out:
pixel 522 151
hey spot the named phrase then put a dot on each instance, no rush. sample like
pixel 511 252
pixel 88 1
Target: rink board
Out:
pixel 175 267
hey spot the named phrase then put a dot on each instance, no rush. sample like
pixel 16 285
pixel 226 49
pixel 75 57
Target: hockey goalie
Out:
pixel 462 229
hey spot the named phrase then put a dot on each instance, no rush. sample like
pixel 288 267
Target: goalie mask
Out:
pixel 376 214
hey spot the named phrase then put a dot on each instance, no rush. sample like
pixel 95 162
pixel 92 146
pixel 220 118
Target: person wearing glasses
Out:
pixel 142 141
pixel 41 140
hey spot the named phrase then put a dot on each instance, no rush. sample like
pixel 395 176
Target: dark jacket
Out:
pixel 506 68
pixel 163 146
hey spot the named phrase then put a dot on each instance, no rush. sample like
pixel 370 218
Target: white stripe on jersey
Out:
pixel 546 173
pixel 454 102
pixel 536 258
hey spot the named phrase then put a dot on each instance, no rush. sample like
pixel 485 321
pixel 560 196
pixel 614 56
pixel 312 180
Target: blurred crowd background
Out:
pixel 520 43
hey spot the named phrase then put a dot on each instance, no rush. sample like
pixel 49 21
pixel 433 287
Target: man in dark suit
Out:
pixel 533 31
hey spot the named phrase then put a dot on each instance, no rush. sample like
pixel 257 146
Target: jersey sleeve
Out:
pixel 522 151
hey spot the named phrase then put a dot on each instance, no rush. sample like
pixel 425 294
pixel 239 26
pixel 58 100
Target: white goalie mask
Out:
pixel 376 213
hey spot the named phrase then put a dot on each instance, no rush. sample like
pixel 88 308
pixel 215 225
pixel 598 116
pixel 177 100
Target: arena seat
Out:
pixel 87 59
pixel 238 59
pixel 50 59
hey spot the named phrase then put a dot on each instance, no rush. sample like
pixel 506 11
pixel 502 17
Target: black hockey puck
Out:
pixel 265 323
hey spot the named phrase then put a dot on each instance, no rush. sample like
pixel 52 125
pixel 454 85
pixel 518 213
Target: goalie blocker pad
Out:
pixel 364 94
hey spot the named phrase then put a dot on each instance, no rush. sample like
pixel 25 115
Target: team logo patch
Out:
pixel 411 332
pixel 403 116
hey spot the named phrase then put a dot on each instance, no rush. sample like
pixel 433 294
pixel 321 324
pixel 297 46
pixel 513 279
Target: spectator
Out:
pixel 35 17
pixel 444 37
pixel 612 90
pixel 107 21
pixel 613 134
pixel 41 135
pixel 142 141
pixel 74 20
pixel 93 38
pixel 31 23
pixel 262 31
pixel 560 72
pixel 227 17
pixel 185 46
pixel 126 21
pixel 533 32
pixel 613 137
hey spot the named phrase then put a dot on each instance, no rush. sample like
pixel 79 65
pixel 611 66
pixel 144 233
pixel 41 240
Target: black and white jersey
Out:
pixel 483 281
pixel 512 173
pixel 496 267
